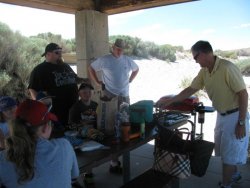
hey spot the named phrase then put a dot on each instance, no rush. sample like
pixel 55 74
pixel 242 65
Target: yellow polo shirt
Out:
pixel 221 84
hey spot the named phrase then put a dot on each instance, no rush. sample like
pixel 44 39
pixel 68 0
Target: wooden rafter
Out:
pixel 105 6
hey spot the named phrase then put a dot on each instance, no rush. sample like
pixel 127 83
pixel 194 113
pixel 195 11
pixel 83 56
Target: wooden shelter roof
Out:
pixel 106 6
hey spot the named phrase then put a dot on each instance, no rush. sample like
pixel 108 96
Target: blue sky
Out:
pixel 225 23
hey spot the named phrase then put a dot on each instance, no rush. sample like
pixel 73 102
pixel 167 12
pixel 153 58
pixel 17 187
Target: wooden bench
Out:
pixel 152 179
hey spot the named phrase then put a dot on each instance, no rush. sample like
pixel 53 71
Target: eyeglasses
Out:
pixel 49 108
pixel 57 52
pixel 118 49
pixel 196 56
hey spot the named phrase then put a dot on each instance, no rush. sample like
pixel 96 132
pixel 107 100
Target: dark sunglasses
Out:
pixel 196 56
pixel 57 52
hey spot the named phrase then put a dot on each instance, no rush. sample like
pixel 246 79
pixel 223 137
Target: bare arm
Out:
pixel 93 75
pixel 240 131
pixel 133 75
pixel 181 96
pixel 33 94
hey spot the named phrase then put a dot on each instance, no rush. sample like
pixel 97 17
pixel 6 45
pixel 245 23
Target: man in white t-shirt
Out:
pixel 118 71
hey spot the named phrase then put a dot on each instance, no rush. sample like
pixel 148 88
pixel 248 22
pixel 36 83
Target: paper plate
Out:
pixel 71 133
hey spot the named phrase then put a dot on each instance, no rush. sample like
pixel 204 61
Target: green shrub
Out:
pixel 137 47
pixel 227 54
pixel 4 79
pixel 244 66
pixel 186 82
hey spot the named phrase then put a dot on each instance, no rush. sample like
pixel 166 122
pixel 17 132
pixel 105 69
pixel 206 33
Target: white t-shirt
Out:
pixel 115 72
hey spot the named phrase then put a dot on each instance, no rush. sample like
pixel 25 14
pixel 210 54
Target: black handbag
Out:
pixel 171 140
pixel 169 158
pixel 201 151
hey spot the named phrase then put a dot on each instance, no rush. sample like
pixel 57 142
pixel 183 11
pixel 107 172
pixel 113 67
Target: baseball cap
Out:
pixel 85 85
pixel 119 43
pixel 6 102
pixel 41 96
pixel 51 47
pixel 34 112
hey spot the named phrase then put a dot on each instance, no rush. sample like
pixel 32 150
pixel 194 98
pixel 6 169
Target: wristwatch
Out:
pixel 242 122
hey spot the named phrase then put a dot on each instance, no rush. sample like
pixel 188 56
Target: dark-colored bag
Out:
pixel 201 151
pixel 171 140
pixel 171 162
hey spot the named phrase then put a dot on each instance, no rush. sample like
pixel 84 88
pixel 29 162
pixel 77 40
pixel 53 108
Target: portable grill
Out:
pixel 192 106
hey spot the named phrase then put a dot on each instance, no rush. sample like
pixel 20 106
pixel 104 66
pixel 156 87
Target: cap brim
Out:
pixel 86 86
pixel 43 98
pixel 119 47
pixel 91 87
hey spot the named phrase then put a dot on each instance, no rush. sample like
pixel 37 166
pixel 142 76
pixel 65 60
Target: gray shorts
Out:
pixel 121 99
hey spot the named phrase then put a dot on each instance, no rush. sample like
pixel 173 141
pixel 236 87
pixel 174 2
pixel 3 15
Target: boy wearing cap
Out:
pixel 45 163
pixel 57 79
pixel 84 110
pixel 7 112
pixel 83 113
pixel 118 71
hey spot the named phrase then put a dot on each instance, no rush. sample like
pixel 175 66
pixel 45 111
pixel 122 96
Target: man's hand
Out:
pixel 100 82
pixel 163 102
pixel 240 131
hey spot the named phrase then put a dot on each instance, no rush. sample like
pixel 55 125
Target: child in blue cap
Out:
pixel 7 112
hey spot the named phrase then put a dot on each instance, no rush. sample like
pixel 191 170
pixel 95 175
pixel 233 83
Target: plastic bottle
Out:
pixel 125 129
pixel 117 126
pixel 142 129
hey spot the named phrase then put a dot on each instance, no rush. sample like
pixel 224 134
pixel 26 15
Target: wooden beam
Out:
pixel 105 6
pixel 65 6
pixel 121 6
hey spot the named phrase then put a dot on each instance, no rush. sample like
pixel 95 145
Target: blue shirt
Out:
pixel 4 128
pixel 55 166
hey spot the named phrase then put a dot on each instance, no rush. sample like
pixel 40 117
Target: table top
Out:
pixel 91 159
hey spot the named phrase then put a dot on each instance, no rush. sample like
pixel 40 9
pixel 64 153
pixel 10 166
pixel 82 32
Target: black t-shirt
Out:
pixel 81 113
pixel 57 80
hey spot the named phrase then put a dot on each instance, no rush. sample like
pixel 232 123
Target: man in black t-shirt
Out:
pixel 57 79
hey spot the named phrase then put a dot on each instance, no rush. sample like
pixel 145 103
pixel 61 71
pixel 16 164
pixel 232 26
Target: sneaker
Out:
pixel 236 177
pixel 88 178
pixel 116 169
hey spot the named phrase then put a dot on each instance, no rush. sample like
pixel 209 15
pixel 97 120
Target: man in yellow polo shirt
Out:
pixel 226 88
